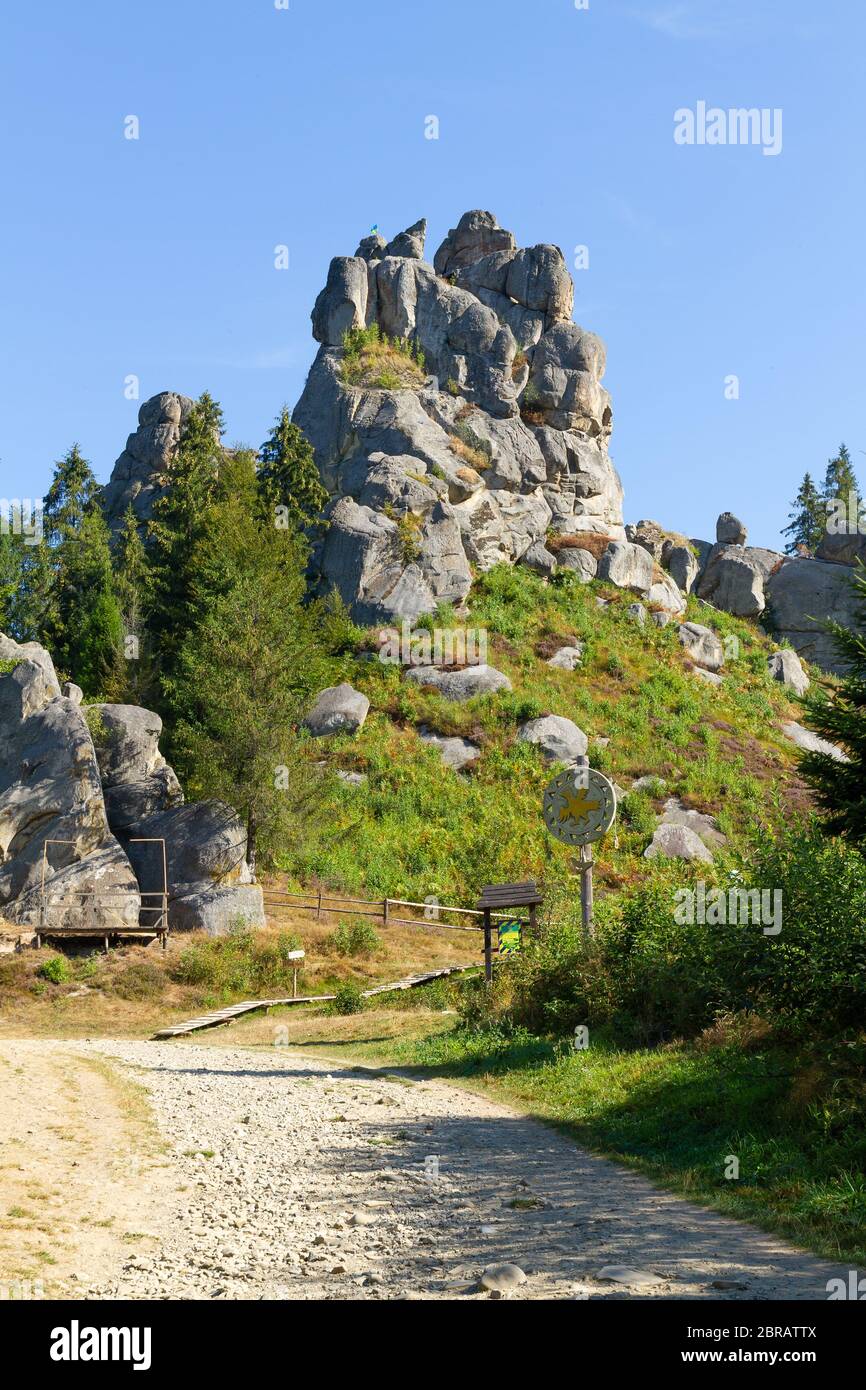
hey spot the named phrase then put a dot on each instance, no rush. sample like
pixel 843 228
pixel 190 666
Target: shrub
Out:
pixel 348 998
pixel 141 979
pixel 56 970
pixel 371 358
pixel 354 939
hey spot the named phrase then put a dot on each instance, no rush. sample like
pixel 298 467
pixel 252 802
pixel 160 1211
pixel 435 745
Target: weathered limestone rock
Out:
pixel 559 739
pixel 342 304
pixel 460 685
pixel 730 530
pixel 678 842
pixel 137 782
pixel 675 813
pixel 732 583
pixel 702 645
pixel 509 430
pixel 801 596
pixel 786 666
pixel 209 880
pixel 626 565
pixel 409 243
pixel 477 234
pixel 50 790
pixel 456 753
pixel 338 710
pixel 665 595
pixel 734 578
pixel 137 477
pixel 540 559
pixel 581 562
pixel 842 548
pixel 811 742
pixel 565 381
pixel 683 567
pixel 567 658
pixel 650 535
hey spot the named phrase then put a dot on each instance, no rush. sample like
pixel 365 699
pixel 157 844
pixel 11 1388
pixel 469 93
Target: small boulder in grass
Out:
pixel 338 710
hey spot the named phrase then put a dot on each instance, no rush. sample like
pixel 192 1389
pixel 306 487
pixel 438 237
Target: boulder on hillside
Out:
pixel 650 535
pixel 811 742
pixel 734 578
pixel 578 561
pixel 567 658
pixel 338 710
pixel 786 666
pixel 683 566
pixel 702 645
pixel 800 598
pixel 460 685
pixel 678 842
pixel 626 565
pixel 842 547
pixel 559 739
pixel 456 753
pixel 706 827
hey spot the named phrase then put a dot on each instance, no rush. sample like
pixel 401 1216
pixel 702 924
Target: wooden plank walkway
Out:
pixel 233 1011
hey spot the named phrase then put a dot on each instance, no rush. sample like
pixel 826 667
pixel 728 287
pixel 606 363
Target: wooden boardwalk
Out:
pixel 233 1011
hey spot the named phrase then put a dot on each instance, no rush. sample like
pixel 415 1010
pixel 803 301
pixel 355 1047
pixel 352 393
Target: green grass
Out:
pixel 416 828
pixel 792 1115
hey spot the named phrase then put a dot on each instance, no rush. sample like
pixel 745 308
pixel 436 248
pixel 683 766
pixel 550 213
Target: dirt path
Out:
pixel 293 1180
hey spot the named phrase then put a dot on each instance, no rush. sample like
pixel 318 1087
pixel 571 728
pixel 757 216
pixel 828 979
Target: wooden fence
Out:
pixel 384 910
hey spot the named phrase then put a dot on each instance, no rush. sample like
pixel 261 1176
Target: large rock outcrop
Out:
pixel 505 438
pixel 138 476
pixel 50 791
pixel 82 790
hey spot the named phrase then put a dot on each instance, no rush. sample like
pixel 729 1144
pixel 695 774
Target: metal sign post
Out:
pixel 580 808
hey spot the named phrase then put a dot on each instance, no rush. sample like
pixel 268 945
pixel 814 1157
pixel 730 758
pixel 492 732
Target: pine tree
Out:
pixel 288 476
pixel 88 639
pixel 11 570
pixel 840 480
pixel 131 587
pixel 247 668
pixel 840 716
pixel 177 527
pixel 807 519
pixel 66 595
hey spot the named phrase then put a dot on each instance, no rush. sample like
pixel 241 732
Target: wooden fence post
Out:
pixel 385 912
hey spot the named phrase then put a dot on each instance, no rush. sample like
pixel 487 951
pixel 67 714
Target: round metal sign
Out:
pixel 579 806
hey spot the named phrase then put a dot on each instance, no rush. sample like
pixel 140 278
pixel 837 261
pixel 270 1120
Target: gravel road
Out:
pixel 307 1181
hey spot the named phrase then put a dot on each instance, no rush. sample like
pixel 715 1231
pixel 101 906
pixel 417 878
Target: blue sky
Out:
pixel 305 126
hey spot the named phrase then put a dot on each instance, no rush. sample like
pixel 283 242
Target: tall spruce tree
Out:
pixel 131 586
pixel 839 715
pixel 247 667
pixel 840 479
pixel 66 594
pixel 11 571
pixel 288 476
pixel 807 519
pixel 177 526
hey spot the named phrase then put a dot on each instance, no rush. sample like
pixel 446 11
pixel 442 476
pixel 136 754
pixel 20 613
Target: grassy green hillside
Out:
pixel 416 827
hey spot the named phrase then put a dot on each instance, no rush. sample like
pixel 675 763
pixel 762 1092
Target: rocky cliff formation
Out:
pixel 496 449
pixel 502 439
pixel 92 781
